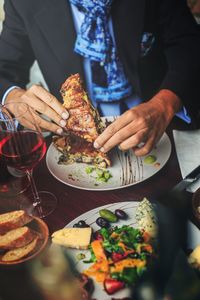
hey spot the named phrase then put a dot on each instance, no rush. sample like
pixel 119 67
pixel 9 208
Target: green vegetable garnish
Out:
pixel 89 169
pixel 99 172
pixel 102 175
pixel 80 256
pixel 108 215
pixel 107 175
pixel 150 159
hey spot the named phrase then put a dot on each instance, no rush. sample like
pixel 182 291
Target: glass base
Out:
pixel 12 186
pixel 48 203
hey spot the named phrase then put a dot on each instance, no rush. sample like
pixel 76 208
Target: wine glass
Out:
pixel 12 181
pixel 22 146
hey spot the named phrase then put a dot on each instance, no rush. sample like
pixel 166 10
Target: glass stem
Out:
pixel 36 198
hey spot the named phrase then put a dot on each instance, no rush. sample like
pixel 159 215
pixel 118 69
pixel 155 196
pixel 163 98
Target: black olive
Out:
pixel 121 214
pixel 102 222
pixel 81 223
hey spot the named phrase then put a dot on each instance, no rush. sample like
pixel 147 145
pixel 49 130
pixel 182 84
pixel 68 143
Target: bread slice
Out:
pixel 13 219
pixel 21 252
pixel 84 120
pixel 78 238
pixel 16 238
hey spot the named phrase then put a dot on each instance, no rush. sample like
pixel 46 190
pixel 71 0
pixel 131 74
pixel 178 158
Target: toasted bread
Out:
pixel 16 238
pixel 21 252
pixel 84 120
pixel 12 220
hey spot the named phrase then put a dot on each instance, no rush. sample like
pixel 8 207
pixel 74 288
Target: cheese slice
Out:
pixel 145 217
pixel 78 238
pixel 194 257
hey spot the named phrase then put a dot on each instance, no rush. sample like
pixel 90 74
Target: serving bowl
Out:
pixel 41 228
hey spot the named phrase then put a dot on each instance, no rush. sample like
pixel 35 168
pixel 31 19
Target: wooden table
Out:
pixel 73 202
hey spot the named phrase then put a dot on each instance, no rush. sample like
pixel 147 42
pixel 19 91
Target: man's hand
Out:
pixel 41 101
pixel 144 124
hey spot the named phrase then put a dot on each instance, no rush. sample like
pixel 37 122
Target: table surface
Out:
pixel 73 202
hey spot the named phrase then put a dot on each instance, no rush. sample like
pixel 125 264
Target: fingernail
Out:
pixel 59 131
pixel 96 145
pixel 65 115
pixel 63 123
pixel 102 149
pixel 119 147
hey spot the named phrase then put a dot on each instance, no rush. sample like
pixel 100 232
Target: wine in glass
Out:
pixel 22 146
pixel 12 181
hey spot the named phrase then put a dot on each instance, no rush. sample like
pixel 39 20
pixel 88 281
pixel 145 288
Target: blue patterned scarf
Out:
pixel 94 41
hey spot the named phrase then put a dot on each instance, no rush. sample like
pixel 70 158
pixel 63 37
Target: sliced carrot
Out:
pixel 127 263
pixel 98 250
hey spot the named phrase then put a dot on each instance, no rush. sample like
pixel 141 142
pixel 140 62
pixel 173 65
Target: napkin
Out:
pixel 187 145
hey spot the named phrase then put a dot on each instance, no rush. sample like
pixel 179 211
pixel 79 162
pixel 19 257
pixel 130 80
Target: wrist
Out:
pixel 168 102
pixel 14 94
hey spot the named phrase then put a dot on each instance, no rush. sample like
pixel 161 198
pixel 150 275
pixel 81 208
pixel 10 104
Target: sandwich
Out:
pixel 83 127
pixel 84 120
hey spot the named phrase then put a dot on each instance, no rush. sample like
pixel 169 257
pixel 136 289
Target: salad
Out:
pixel 119 255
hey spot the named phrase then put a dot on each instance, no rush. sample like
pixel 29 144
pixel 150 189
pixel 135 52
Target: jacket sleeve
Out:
pixel 16 55
pixel 180 36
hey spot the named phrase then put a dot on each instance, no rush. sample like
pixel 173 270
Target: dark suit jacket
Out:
pixel 44 30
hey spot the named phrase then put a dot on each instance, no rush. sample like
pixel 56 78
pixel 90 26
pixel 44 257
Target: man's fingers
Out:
pixel 47 125
pixel 134 140
pixel 50 100
pixel 148 146
pixel 42 107
pixel 33 121
pixel 113 128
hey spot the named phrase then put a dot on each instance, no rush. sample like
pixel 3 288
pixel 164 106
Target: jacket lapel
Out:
pixel 56 24
pixel 128 21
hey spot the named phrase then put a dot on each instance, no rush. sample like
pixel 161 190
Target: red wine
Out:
pixel 22 150
pixel 4 174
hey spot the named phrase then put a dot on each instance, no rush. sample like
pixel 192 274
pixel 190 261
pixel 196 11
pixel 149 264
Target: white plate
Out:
pixel 126 169
pixel 90 218
pixel 130 208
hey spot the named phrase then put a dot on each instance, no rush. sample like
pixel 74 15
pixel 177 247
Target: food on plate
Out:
pixel 78 238
pixel 150 159
pixel 83 127
pixel 194 258
pixel 108 215
pixel 112 285
pixel 101 175
pixel 145 217
pixel 18 253
pixel 121 214
pixel 16 238
pixel 76 149
pixel 101 222
pixel 13 219
pixel 81 224
pixel 119 255
pixel 84 119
